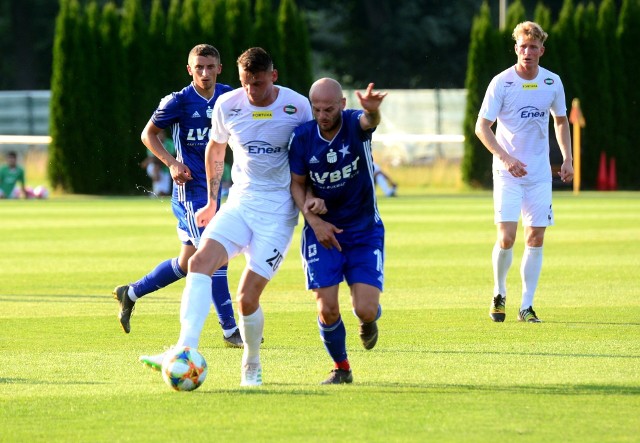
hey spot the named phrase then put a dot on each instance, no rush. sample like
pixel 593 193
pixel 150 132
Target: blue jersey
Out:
pixel 340 171
pixel 189 115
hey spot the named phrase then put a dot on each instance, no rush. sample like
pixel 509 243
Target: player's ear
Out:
pixel 541 50
pixel 189 70
pixel 274 75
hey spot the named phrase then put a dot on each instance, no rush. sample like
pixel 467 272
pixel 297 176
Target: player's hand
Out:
pixel 314 205
pixel 326 234
pixel 566 171
pixel 180 173
pixel 205 214
pixel 515 166
pixel 370 100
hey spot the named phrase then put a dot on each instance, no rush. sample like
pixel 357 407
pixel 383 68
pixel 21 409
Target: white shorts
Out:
pixel 531 200
pixel 264 239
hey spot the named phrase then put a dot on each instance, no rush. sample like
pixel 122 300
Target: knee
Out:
pixel 329 313
pixel 366 312
pixel 196 264
pixel 506 241
pixel 535 240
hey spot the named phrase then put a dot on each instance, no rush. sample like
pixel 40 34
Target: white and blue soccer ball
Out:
pixel 184 369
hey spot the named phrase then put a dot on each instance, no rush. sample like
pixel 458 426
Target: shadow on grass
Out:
pixel 525 354
pixel 28 381
pixel 578 389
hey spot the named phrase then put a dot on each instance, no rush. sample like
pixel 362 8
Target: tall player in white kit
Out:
pixel 520 99
pixel 259 216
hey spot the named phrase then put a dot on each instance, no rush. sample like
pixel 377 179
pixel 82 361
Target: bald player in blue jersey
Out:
pixel 332 183
pixel 188 114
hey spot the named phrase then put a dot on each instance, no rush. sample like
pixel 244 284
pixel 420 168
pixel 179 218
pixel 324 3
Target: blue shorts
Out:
pixel 188 231
pixel 361 259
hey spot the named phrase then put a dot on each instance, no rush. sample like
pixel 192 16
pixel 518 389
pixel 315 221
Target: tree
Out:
pixel 597 107
pixel 239 25
pixel 265 30
pixel 66 126
pixel 628 36
pixel 225 46
pixel 476 163
pixel 295 65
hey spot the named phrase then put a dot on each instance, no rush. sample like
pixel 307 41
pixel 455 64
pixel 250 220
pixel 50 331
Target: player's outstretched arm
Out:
pixel 370 102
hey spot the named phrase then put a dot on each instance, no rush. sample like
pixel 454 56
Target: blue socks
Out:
pixel 334 339
pixel 169 271
pixel 222 299
pixel 162 275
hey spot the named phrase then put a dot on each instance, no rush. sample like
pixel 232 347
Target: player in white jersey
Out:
pixel 259 216
pixel 520 99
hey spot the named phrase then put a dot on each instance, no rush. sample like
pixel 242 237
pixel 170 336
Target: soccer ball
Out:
pixel 184 369
pixel 40 192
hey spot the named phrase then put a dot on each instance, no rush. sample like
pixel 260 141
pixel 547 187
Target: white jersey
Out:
pixel 522 109
pixel 259 138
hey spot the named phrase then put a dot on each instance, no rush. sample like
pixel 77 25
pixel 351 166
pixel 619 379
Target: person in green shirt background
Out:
pixel 10 175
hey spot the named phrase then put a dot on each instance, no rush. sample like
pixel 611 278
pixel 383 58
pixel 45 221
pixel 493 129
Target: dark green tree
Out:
pixel 66 123
pixel 176 54
pixel 92 155
pixel 138 66
pixel 157 38
pixel 295 65
pixel 222 42
pixel 265 30
pixel 485 41
pixel 597 107
pixel 628 38
pixel 239 25
pixel 563 43
pixel 191 24
pixel 114 106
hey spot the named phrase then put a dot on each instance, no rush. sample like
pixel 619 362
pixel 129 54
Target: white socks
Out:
pixel 251 329
pixel 501 259
pixel 530 272
pixel 194 308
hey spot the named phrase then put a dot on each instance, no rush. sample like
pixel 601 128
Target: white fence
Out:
pixel 418 125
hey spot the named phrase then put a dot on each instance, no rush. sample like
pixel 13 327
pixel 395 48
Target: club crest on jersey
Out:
pixel 290 109
pixel 332 157
pixel 548 81
pixel 209 112
pixel 262 115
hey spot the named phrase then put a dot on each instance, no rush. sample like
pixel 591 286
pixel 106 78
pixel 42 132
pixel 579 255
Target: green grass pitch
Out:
pixel 441 371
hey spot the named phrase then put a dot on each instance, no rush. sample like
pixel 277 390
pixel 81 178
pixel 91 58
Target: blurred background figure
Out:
pixel 386 184
pixel 157 171
pixel 10 175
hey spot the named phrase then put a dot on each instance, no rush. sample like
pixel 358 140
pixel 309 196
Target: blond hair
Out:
pixel 531 30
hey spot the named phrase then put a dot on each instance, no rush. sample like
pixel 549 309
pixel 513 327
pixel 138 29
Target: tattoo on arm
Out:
pixel 214 182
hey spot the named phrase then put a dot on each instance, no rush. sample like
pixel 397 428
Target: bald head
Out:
pixel 325 90
pixel 327 104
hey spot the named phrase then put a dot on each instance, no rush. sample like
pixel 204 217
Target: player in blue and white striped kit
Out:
pixel 332 182
pixel 188 114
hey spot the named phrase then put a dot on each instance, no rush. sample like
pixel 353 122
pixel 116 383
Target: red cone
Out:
pixel 613 179
pixel 603 183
